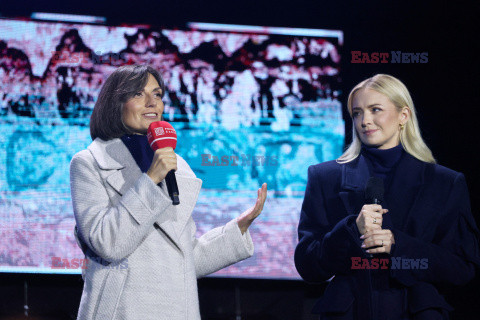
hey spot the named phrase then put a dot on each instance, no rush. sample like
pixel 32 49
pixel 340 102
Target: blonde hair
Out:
pixel 397 93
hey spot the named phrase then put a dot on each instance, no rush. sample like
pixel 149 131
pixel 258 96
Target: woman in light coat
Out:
pixel 143 256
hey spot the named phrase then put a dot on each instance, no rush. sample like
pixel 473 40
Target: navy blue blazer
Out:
pixel 437 225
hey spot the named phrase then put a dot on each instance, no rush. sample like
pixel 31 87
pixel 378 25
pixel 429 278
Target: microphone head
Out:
pixel 374 190
pixel 161 134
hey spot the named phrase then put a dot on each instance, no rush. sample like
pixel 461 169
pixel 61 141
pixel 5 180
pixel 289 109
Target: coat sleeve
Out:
pixel 326 244
pixel 112 231
pixel 220 247
pixel 452 255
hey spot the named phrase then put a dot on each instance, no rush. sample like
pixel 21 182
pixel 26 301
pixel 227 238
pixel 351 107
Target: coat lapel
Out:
pixel 121 171
pixel 189 189
pixel 407 189
pixel 400 199
pixel 119 167
pixel 354 178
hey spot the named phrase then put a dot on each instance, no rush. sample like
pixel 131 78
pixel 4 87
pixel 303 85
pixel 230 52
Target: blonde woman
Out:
pixel 388 259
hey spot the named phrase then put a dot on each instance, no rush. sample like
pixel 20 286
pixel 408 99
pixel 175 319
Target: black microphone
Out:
pixel 374 195
pixel 374 191
pixel 172 187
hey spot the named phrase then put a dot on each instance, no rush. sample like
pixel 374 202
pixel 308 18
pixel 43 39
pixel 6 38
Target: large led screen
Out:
pixel 249 104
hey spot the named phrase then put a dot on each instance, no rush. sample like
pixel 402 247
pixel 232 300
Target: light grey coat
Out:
pixel 143 257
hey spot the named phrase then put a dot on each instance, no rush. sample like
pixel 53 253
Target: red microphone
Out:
pixel 160 135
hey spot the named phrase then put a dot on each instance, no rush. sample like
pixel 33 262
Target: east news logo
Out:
pixel 159 131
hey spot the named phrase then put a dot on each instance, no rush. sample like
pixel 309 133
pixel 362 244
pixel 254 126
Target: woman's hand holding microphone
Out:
pixel 164 160
pixel 369 223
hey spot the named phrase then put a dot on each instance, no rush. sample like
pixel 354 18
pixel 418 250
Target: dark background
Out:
pixel 445 92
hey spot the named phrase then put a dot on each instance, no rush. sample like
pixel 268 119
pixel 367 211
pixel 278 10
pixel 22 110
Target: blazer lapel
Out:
pixel 188 189
pixel 119 167
pixel 407 189
pixel 404 196
pixel 121 171
pixel 354 178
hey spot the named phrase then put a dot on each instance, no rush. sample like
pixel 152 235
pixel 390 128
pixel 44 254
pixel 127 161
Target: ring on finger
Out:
pixel 382 243
pixel 374 220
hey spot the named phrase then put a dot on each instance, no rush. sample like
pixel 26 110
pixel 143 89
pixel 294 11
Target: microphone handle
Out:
pixel 172 187
pixel 375 201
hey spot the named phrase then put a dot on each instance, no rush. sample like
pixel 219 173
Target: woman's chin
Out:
pixel 370 144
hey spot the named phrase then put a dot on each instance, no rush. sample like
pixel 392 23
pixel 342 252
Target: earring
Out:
pixel 402 126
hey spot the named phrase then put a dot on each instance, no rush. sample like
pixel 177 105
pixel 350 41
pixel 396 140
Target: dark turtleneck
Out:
pixel 140 149
pixel 382 161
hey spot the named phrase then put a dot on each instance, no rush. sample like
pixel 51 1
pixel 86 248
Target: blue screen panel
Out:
pixel 249 104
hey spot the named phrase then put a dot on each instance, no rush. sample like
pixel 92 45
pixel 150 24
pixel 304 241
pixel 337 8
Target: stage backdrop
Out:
pixel 249 104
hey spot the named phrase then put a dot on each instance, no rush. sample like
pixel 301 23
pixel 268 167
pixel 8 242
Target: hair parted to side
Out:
pixel 106 119
pixel 410 136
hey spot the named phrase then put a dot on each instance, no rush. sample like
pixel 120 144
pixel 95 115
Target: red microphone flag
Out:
pixel 161 134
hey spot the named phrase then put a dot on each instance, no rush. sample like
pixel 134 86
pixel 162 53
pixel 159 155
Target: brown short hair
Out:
pixel 106 119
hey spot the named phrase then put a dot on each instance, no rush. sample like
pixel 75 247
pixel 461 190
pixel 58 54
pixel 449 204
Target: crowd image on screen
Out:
pixel 228 79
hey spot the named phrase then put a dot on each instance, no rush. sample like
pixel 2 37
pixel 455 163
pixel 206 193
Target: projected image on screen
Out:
pixel 250 105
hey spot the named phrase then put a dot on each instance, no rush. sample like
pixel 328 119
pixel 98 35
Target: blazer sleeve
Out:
pixel 453 253
pixel 220 247
pixel 327 240
pixel 112 231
